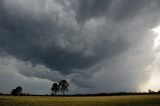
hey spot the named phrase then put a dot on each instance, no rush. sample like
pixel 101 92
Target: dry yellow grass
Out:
pixel 142 100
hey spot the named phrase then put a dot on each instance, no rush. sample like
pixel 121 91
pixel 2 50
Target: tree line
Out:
pixel 61 87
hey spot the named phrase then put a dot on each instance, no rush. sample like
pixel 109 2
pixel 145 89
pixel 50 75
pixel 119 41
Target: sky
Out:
pixel 96 45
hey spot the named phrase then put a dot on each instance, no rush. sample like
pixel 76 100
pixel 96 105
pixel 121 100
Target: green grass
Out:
pixel 143 100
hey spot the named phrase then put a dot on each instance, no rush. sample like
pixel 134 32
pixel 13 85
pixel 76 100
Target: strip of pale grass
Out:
pixel 143 100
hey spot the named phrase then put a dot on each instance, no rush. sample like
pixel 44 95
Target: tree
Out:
pixel 19 89
pixel 63 84
pixel 55 88
pixel 150 91
pixel 16 91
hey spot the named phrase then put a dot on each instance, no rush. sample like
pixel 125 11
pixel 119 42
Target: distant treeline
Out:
pixel 59 89
pixel 98 94
pixel 119 94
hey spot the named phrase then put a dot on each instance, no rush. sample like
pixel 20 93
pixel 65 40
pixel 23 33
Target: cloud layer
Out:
pixel 98 45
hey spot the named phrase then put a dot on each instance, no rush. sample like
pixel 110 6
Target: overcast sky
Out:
pixel 97 45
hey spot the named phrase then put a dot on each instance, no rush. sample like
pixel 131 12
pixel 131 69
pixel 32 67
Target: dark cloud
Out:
pixel 117 10
pixel 92 8
pixel 34 39
pixel 128 9
pixel 84 41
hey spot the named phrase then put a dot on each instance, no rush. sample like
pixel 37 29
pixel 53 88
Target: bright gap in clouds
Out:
pixel 154 82
pixel 157 38
pixel 154 68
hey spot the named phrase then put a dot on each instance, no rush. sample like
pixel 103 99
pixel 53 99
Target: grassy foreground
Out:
pixel 143 100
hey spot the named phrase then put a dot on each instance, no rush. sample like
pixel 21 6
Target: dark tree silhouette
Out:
pixel 13 92
pixel 19 89
pixel 150 91
pixel 16 91
pixel 63 84
pixel 55 88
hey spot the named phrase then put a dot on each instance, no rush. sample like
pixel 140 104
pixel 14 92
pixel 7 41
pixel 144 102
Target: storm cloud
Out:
pixel 84 41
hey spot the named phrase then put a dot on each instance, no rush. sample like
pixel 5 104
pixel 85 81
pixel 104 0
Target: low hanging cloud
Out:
pixel 87 42
pixel 52 41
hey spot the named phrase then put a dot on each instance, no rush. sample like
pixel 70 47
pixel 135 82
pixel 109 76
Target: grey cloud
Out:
pixel 128 9
pixel 10 78
pixel 122 73
pixel 92 8
pixel 117 10
pixel 54 42
pixel 84 41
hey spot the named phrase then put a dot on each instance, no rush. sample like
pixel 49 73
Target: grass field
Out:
pixel 143 100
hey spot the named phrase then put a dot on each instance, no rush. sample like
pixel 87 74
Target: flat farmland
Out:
pixel 137 100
